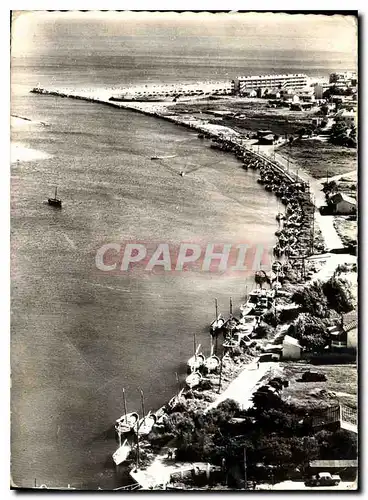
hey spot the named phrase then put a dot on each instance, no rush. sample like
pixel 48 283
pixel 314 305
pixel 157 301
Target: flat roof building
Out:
pixel 294 81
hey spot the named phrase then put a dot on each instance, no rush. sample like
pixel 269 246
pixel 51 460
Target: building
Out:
pixel 346 116
pixel 348 78
pixel 307 95
pixel 266 140
pixel 319 89
pixel 346 469
pixel 291 349
pixel 243 84
pixel 342 204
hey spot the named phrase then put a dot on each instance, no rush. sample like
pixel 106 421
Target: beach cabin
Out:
pixel 291 349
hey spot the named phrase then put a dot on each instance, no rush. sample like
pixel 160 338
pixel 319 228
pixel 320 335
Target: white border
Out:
pixel 4 184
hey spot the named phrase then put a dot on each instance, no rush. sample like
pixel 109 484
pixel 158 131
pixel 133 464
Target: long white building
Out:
pixel 243 84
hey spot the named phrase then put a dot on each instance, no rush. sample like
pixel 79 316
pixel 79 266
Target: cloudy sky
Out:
pixel 173 31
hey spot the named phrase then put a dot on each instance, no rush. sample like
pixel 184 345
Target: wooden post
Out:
pixel 137 457
pixel 231 308
pixel 220 379
pixel 245 469
pixel 125 406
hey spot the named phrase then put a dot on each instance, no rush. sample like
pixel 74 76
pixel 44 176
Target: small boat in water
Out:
pixel 126 422
pixel 197 360
pixel 162 157
pixel 251 303
pixel 145 424
pixel 193 379
pixel 212 363
pixel 55 202
pixel 217 323
pixel 122 453
pixel 176 399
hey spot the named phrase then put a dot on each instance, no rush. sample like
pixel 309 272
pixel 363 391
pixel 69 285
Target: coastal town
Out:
pixel 274 405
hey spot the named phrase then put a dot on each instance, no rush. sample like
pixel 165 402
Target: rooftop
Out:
pixel 291 340
pixel 336 198
pixel 333 463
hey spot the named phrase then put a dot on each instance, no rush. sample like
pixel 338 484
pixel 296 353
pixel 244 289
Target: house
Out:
pixel 342 204
pixel 267 139
pixel 263 133
pixel 350 327
pixel 346 116
pixel 344 336
pixel 291 349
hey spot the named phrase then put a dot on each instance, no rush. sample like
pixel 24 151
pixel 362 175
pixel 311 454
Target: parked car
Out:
pixel 323 479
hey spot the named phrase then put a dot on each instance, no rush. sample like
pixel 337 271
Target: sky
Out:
pixel 170 31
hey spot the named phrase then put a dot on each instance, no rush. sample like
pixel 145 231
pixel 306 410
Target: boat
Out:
pixel 182 173
pixel 176 399
pixel 247 324
pixel 55 202
pixel 122 453
pixel 252 301
pixel 212 363
pixel 197 360
pixel 145 424
pixel 217 323
pixel 162 157
pixel 262 306
pixel 193 379
pixel 127 421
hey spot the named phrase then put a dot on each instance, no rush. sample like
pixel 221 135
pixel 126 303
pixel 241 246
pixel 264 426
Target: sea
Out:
pixel 80 336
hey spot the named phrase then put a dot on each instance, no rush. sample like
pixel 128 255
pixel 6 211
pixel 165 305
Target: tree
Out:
pixel 330 186
pixel 311 332
pixel 311 299
pixel 339 296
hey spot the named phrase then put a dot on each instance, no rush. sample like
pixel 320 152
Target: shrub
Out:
pixel 312 299
pixel 311 332
pixel 289 315
pixel 270 317
pixel 263 330
pixel 338 295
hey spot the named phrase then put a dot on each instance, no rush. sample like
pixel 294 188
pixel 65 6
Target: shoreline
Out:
pixel 227 140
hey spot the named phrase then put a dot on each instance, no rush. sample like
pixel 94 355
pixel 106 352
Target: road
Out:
pixel 325 223
pixel 242 388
